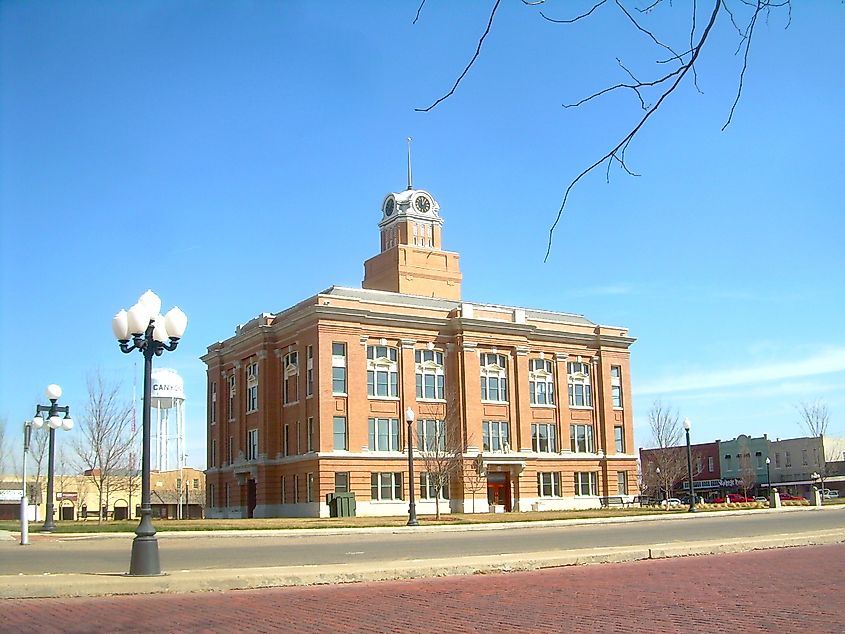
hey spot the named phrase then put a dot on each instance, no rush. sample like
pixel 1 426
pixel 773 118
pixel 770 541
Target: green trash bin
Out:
pixel 345 504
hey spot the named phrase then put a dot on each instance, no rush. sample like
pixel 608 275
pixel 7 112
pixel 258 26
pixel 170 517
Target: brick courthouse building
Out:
pixel 311 400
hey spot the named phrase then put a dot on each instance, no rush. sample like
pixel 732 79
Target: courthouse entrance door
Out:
pixel 499 489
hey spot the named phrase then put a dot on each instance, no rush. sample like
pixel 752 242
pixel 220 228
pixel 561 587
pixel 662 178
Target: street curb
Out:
pixel 187 581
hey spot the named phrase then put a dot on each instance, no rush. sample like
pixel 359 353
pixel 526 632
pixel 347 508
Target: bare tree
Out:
pixel 673 63
pixel 667 463
pixel 473 478
pixel 814 418
pixel 106 437
pixel 747 473
pixel 442 457
pixel 5 452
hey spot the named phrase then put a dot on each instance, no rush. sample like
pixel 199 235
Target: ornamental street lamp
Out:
pixel 769 475
pixel 412 508
pixel 152 334
pixel 54 392
pixel 27 435
pixel 659 484
pixel 692 509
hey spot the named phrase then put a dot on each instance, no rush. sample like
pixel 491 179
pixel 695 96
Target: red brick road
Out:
pixel 787 590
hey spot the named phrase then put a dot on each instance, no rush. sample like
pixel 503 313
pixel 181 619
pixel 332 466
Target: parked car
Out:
pixel 761 498
pixel 670 503
pixel 733 498
pixel 788 497
pixel 686 500
pixel 829 494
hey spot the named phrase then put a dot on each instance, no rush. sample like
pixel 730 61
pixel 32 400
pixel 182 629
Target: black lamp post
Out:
pixel 692 509
pixel 54 392
pixel 412 507
pixel 769 475
pixel 152 334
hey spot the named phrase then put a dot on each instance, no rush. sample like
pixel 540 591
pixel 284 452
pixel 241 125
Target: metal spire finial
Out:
pixel 410 181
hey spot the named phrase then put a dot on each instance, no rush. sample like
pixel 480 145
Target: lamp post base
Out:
pixel 144 562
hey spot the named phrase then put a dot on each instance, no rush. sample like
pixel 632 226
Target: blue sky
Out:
pixel 196 148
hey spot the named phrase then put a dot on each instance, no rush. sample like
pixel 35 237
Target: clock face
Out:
pixel 388 207
pixel 422 204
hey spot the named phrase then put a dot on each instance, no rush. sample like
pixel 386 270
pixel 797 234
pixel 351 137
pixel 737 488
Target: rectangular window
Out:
pixel 283 484
pixel 382 372
pixel 430 377
pixel 431 435
pixel 296 488
pixel 586 483
pixel 429 489
pixel 728 464
pixel 710 464
pixel 339 432
pixel 309 371
pixel 286 441
pixel 252 387
pixel 544 437
pixel 309 487
pixel 298 433
pixel 212 496
pixel 494 380
pixel 338 368
pixel 616 385
pixel 758 457
pixel 788 460
pixel 541 385
pixel 580 394
pixel 622 482
pixel 309 434
pixel 495 435
pixel 804 460
pixel 212 406
pixel 252 444
pixel 386 486
pixel 383 434
pixel 213 453
pixel 341 482
pixel 291 378
pixel 228 495
pixel 581 438
pixel 619 438
pixel 196 483
pixel 548 484
pixel 777 460
pixel 229 450
pixel 231 402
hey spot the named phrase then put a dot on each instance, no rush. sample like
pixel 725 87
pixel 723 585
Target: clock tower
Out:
pixel 412 260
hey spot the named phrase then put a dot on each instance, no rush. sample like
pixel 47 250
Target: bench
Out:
pixel 608 501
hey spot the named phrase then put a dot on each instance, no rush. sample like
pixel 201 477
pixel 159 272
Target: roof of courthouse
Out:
pixel 417 301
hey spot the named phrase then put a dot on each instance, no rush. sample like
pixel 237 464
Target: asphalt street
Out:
pixel 243 549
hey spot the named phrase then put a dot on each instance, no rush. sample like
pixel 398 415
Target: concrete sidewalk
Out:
pixel 90 585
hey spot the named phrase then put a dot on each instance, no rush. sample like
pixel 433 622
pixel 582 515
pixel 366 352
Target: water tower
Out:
pixel 169 403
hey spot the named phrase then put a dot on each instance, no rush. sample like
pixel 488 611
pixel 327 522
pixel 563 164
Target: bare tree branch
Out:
pixel 419 9
pixel 575 19
pixel 682 71
pixel 471 62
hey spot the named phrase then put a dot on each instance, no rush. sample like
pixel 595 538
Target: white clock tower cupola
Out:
pixel 412 259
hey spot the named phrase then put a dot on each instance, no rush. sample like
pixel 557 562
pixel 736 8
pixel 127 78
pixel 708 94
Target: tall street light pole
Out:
pixel 54 392
pixel 152 334
pixel 769 476
pixel 412 507
pixel 692 509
